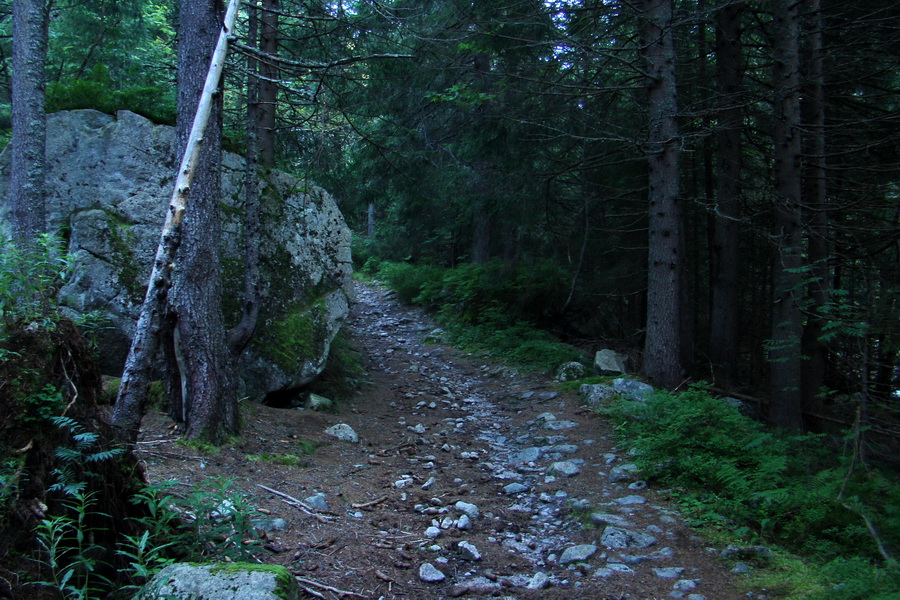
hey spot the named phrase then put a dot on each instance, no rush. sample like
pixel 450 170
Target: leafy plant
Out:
pixel 75 562
pixel 30 278
pixel 768 487
pixel 212 522
pixel 489 308
pixel 73 473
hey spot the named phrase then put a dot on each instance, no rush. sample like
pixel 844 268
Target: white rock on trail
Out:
pixel 343 432
pixel 430 574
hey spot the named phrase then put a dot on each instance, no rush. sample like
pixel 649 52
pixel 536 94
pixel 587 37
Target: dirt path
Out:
pixel 492 478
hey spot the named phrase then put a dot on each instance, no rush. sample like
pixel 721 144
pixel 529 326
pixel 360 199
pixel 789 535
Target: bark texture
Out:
pixel 132 398
pixel 662 363
pixel 787 329
pixel 241 334
pixel 29 120
pixel 210 403
pixel 268 88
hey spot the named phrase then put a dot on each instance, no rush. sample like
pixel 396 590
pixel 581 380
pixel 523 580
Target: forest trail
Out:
pixel 493 478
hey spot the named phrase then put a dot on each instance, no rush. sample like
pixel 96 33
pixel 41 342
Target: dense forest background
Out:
pixel 708 186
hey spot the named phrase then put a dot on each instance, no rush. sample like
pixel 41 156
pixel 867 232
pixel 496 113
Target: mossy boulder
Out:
pixel 109 181
pixel 225 581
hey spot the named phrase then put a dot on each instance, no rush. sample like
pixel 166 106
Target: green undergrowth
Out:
pixel 808 496
pixel 488 308
pixel 344 372
pixel 97 91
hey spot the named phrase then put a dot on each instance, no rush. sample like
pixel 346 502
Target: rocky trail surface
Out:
pixel 468 480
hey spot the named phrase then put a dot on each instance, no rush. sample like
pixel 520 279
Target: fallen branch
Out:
pixel 296 503
pixel 304 581
pixel 368 504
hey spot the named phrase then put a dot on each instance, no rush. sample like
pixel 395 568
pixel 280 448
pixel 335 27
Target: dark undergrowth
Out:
pixel 488 308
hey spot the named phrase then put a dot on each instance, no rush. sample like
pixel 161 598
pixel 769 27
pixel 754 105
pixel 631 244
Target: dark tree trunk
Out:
pixel 268 88
pixel 481 233
pixel 132 397
pixel 210 403
pixel 370 220
pixel 27 210
pixel 241 334
pixel 784 351
pixel 662 345
pixel 814 198
pixel 725 255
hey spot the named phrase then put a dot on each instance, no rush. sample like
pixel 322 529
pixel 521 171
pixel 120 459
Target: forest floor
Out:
pixel 438 426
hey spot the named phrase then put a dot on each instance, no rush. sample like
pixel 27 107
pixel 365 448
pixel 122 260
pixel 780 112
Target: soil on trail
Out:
pixel 437 427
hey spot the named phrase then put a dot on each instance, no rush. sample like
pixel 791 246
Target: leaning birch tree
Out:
pixel 132 397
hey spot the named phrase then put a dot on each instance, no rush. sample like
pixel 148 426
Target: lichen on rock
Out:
pixel 110 181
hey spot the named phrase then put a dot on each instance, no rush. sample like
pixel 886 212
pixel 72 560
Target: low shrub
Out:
pixel 482 308
pixel 765 486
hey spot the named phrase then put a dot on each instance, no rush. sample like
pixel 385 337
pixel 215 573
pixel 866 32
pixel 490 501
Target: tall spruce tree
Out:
pixel 208 402
pixel 29 121
pixel 662 361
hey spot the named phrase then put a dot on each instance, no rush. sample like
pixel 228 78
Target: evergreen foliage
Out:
pixel 769 487
pixel 489 307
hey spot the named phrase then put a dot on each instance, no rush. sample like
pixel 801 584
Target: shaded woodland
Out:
pixel 710 187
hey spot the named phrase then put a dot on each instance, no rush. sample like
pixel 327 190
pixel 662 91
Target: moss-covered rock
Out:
pixel 222 581
pixel 110 193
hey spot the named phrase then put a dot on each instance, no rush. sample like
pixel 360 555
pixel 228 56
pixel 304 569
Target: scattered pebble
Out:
pixel 430 574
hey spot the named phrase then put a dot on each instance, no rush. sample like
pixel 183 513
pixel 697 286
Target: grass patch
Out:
pixel 288 460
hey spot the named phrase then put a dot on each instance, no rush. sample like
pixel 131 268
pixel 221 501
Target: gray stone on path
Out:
pixel 668 572
pixel 557 425
pixel 317 402
pixel 464 522
pixel 515 488
pixel 429 574
pixel 617 538
pixel 601 519
pixel 685 585
pixel 527 455
pixel 269 524
pixel 630 500
pixel 469 509
pixel 566 468
pixel 575 554
pixel 569 371
pixel 317 501
pixel 610 362
pixel 611 569
pixel 595 393
pixel 741 568
pixel 343 432
pixel 538 582
pixel 222 581
pixel 432 532
pixel 623 473
pixel 469 551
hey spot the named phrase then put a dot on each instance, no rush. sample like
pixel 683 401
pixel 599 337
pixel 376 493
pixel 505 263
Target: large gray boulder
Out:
pixel 224 581
pixel 109 180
